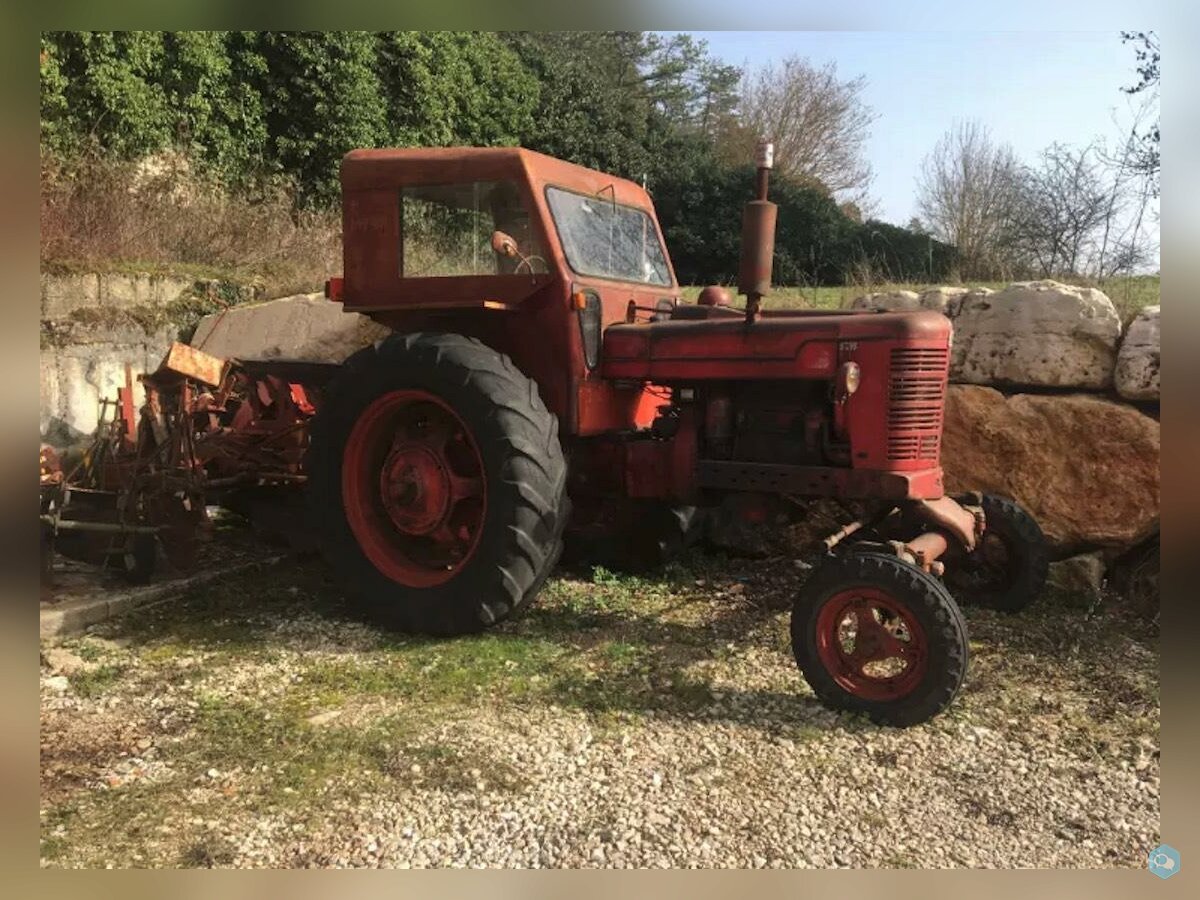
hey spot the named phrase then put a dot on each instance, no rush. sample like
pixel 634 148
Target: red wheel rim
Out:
pixel 414 488
pixel 871 644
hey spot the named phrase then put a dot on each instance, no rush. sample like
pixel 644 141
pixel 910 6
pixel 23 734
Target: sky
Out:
pixel 1031 89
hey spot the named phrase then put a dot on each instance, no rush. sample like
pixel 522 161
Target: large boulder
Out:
pixel 1036 333
pixel 888 301
pixel 1136 375
pixel 1087 468
pixel 305 327
pixel 945 300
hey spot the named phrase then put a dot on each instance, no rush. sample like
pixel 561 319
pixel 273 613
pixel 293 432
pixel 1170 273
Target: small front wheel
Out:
pixel 1008 568
pixel 875 635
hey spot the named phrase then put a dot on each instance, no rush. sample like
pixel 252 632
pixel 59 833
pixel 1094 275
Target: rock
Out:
pixel 306 327
pixel 63 293
pixel 895 301
pixel 1078 578
pixel 1038 333
pixel 1136 375
pixel 947 300
pixel 944 299
pixel 1085 467
pixel 61 661
pixel 57 683
pixel 87 368
pixel 141 290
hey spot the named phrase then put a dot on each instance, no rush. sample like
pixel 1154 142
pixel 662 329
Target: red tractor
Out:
pixel 544 374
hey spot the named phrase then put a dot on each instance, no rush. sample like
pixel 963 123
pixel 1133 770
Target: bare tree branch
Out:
pixel 818 122
pixel 967 194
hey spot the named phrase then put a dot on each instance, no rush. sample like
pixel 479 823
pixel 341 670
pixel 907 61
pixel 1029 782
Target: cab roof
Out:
pixel 392 168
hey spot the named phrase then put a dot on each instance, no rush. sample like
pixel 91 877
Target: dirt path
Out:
pixel 620 722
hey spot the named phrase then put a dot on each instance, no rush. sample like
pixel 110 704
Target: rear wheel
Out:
pixel 437 483
pixel 1007 570
pixel 876 636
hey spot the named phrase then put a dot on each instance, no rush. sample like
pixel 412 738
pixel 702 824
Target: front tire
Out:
pixel 1008 568
pixel 437 483
pixel 876 636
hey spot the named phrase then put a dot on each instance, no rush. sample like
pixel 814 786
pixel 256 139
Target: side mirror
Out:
pixel 503 244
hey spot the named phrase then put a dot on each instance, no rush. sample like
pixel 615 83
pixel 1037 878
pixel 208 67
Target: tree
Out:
pixel 916 226
pixel 1063 204
pixel 967 194
pixel 454 87
pixel 592 107
pixel 1148 56
pixel 699 201
pixel 818 122
pixel 686 85
pixel 323 98
pixel 106 87
pixel 218 118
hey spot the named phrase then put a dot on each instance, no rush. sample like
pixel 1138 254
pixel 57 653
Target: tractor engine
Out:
pixel 773 422
pixel 829 403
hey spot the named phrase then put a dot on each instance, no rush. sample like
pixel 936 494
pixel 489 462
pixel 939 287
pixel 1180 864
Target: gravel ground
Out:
pixel 620 722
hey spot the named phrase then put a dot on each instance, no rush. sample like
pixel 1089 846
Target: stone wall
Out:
pixel 1042 335
pixel 93 324
pixel 1052 403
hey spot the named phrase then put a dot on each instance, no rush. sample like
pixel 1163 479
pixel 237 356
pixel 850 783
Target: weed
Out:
pixel 96 682
pixel 209 852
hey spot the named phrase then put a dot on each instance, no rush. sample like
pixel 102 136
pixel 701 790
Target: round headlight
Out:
pixel 849 377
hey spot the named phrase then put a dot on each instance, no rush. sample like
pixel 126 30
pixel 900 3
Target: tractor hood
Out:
pixel 781 345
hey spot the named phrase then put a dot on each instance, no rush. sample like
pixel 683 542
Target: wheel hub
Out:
pixel 870 644
pixel 414 485
pixel 414 488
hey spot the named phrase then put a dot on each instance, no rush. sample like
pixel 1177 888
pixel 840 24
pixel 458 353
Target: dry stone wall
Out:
pixel 1038 407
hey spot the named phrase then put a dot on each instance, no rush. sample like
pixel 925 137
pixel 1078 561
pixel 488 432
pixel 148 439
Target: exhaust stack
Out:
pixel 758 236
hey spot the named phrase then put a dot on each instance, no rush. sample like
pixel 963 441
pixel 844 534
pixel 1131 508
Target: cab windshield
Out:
pixel 608 240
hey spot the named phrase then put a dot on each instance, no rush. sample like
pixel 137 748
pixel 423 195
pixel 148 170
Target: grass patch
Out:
pixel 99 214
pixel 96 682
pixel 208 852
pixel 440 671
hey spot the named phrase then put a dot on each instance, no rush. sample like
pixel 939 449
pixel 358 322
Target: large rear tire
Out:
pixel 875 635
pixel 437 483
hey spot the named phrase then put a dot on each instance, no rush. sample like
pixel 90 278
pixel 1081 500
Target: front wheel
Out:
pixel 875 635
pixel 1008 568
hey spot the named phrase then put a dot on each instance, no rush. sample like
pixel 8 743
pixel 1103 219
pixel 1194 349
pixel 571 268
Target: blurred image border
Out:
pixel 1176 23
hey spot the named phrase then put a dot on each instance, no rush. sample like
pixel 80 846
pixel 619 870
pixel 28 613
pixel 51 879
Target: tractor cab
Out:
pixel 532 255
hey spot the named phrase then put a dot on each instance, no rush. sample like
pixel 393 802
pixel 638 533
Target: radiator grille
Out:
pixel 916 397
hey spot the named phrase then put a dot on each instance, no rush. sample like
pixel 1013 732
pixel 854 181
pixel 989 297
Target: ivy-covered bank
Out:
pixel 256 110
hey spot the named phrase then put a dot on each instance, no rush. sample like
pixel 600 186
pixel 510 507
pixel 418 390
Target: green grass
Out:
pixel 93 683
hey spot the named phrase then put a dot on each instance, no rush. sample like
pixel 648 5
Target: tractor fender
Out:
pixel 945 513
